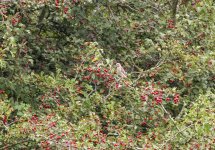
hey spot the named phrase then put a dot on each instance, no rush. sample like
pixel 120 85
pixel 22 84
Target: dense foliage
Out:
pixel 61 85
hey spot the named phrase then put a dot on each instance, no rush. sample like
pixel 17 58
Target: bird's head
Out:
pixel 118 65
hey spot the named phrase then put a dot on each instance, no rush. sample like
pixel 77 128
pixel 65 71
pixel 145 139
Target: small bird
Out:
pixel 120 71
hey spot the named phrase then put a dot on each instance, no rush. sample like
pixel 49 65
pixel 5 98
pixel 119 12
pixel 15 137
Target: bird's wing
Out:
pixel 123 71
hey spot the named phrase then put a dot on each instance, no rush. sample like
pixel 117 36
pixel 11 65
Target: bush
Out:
pixel 61 87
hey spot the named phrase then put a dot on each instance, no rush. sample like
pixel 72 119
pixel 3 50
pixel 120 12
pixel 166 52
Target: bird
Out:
pixel 120 71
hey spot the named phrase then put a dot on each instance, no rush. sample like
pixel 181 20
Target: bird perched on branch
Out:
pixel 120 71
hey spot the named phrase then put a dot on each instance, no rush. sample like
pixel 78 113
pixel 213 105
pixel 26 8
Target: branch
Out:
pixel 174 136
pixel 146 71
pixel 127 6
pixel 181 112
pixel 170 117
pixel 174 10
pixel 12 145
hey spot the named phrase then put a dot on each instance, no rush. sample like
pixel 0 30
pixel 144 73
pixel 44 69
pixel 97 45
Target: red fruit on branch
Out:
pixel 143 123
pixel 57 4
pixel 144 98
pixel 2 91
pixel 5 120
pixel 106 70
pixel 171 80
pixel 176 98
pixel 65 10
pixel 170 24
pixel 52 124
pixel 167 99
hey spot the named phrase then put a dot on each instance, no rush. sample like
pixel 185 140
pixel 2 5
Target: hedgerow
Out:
pixel 126 74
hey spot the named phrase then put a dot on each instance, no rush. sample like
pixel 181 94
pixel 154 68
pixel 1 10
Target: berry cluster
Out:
pixel 16 19
pixel 170 24
pixel 50 99
pixel 156 95
pixel 99 76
